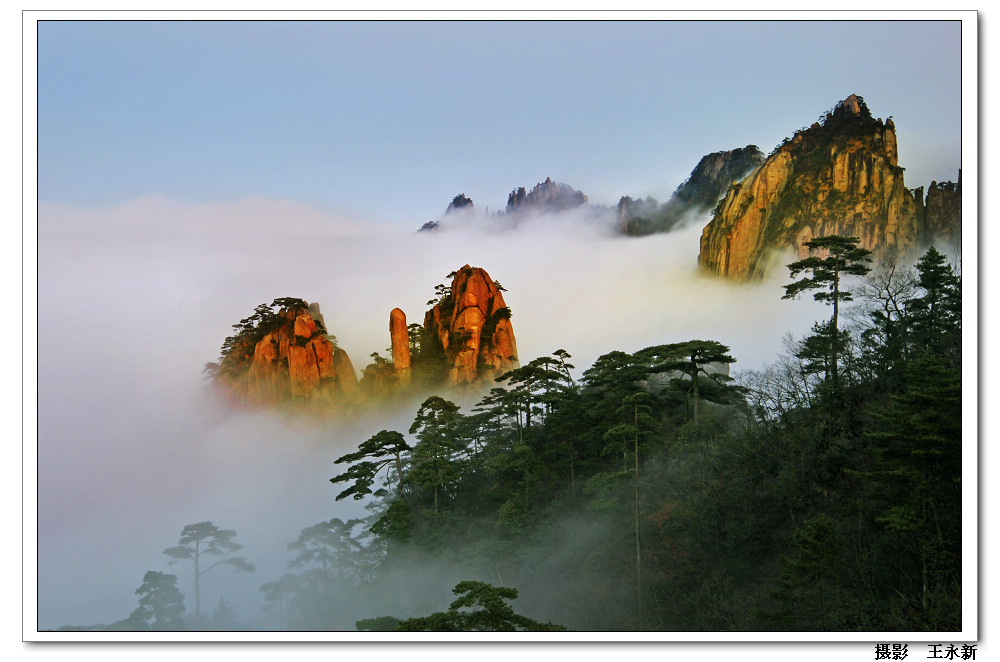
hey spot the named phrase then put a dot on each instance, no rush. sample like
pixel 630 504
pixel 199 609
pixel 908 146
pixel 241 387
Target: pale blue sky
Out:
pixel 390 120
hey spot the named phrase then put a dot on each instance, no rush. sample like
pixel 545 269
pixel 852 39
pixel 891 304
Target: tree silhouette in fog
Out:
pixel 161 603
pixel 206 539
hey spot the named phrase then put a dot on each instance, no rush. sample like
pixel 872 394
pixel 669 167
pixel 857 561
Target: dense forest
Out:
pixel 657 491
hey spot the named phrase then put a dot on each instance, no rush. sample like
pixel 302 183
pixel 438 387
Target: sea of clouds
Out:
pixel 134 299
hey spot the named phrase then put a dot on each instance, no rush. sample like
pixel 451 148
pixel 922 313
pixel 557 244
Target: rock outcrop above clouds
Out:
pixel 698 194
pixel 286 356
pixel 400 338
pixel 547 196
pixel 942 212
pixel 470 325
pixel 460 204
pixel 839 176
pixel 282 354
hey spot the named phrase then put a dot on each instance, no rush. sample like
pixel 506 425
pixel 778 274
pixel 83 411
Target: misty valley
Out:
pixel 671 453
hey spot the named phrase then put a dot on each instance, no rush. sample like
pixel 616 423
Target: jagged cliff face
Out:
pixel 942 213
pixel 283 358
pixel 840 177
pixel 289 359
pixel 547 196
pixel 715 173
pixel 708 182
pixel 471 327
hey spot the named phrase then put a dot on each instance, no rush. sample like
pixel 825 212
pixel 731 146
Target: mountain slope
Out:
pixel 840 177
pixel 698 194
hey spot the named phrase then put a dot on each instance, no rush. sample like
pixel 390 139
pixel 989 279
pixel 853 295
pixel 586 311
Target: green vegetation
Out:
pixel 382 450
pixel 844 258
pixel 835 124
pixel 237 349
pixel 821 493
pixel 249 330
pixel 490 326
pixel 481 607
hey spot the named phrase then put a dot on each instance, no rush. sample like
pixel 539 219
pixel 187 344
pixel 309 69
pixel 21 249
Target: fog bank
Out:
pixel 135 299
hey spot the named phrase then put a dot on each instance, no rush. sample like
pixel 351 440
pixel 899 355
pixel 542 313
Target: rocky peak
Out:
pixel 286 356
pixel 547 196
pixel 839 176
pixel 469 325
pixel 715 173
pixel 698 194
pixel 854 105
pixel 283 354
pixel 460 203
pixel 941 217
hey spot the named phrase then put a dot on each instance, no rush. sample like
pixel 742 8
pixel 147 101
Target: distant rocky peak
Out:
pixel 698 194
pixel 715 173
pixel 460 203
pixel 547 196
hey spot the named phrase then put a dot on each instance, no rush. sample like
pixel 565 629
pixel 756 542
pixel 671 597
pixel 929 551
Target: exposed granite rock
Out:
pixel 400 338
pixel 470 325
pixel 839 177
pixel 379 380
pixel 286 357
pixel 942 213
pixel 346 377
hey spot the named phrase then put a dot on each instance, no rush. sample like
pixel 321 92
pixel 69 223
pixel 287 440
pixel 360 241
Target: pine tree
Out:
pixel 937 315
pixel 480 607
pixel 844 258
pixel 432 459
pixel 206 539
pixel 382 450
pixel 161 604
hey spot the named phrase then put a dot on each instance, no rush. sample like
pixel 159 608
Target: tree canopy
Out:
pixel 480 607
pixel 160 604
pixel 844 258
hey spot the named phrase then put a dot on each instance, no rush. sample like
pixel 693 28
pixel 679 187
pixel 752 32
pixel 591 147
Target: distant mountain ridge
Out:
pixel 838 176
pixel 698 194
pixel 545 197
